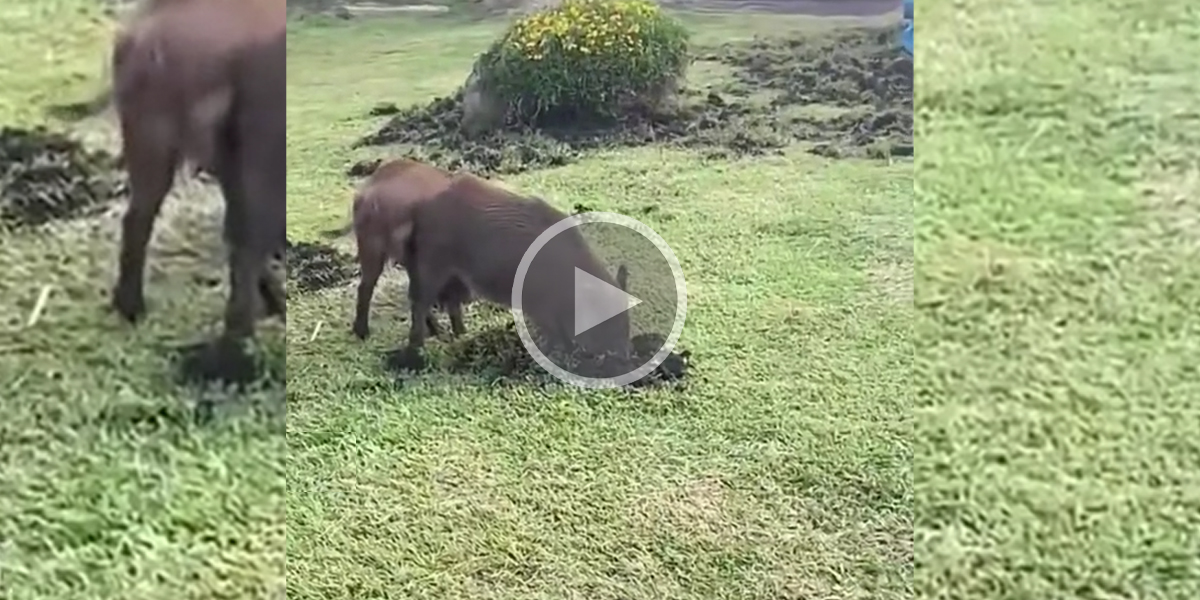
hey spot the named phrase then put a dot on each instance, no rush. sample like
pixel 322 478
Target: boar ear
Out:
pixel 622 278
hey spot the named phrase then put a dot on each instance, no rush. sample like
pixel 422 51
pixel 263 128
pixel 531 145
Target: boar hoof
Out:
pixel 131 306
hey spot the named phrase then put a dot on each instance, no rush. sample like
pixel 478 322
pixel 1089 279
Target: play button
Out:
pixel 629 300
pixel 596 301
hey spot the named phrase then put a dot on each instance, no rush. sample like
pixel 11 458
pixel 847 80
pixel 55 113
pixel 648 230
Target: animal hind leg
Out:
pixel 431 323
pixel 371 260
pixel 271 289
pixel 245 275
pixel 150 159
pixel 452 297
pixel 424 283
pixel 248 252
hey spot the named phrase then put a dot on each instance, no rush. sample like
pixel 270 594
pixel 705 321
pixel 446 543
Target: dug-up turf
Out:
pixel 315 267
pixel 498 355
pixel 861 74
pixel 46 176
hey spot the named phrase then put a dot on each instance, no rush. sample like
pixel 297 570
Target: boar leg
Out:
pixel 457 327
pixel 432 325
pixel 248 255
pixel 271 289
pixel 424 283
pixel 371 261
pixel 150 159
pixel 252 173
pixel 452 298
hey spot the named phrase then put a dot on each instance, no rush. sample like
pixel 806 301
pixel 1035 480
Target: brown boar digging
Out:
pixel 478 233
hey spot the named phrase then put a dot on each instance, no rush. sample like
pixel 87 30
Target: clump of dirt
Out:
pixel 47 176
pixel 495 353
pixel 384 109
pixel 858 78
pixel 316 267
pixel 499 354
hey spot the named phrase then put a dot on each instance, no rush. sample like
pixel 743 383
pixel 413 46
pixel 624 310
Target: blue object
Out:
pixel 908 9
pixel 906 37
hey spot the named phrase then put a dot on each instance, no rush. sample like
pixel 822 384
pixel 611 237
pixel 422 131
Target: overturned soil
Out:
pixel 498 355
pixel 46 176
pixel 314 267
pixel 858 79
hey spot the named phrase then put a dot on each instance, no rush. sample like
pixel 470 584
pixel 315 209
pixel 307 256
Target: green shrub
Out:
pixel 586 58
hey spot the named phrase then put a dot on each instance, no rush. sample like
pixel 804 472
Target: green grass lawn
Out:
pixel 1058 295
pixel 783 471
pixel 107 490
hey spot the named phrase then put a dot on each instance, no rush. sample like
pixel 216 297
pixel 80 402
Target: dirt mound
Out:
pixel 316 267
pixel 497 354
pixel 860 72
pixel 859 76
pixel 45 176
pixel 432 133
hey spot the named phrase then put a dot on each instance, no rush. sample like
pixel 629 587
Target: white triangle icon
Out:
pixel 597 301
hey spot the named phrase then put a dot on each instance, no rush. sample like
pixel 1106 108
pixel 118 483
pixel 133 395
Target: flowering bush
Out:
pixel 586 58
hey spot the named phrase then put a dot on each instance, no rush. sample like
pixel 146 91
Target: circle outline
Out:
pixel 680 300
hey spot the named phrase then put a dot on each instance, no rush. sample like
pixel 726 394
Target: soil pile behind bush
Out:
pixel 46 176
pixel 859 72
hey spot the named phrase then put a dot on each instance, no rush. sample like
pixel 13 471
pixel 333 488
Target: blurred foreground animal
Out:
pixel 382 209
pixel 174 65
pixel 478 233
pixel 163 72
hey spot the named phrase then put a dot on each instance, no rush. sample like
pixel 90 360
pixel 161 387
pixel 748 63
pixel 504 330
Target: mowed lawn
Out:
pixel 108 489
pixel 1058 293
pixel 783 470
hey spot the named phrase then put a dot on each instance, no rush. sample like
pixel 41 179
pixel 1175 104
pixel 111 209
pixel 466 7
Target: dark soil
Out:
pixel 499 355
pixel 316 267
pixel 863 72
pixel 47 176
